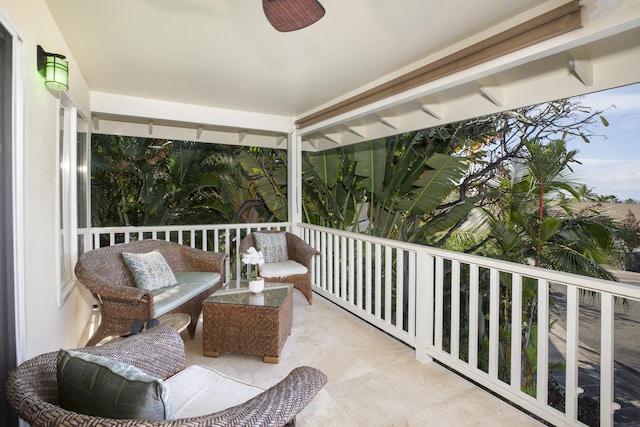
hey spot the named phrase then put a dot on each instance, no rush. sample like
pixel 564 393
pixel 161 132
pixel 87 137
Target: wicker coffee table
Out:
pixel 237 321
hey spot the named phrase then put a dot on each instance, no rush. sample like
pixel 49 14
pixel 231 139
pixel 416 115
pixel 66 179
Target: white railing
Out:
pixel 449 306
pixel 436 301
pixel 217 238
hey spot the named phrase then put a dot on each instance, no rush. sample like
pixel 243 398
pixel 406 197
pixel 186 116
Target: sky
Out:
pixel 611 162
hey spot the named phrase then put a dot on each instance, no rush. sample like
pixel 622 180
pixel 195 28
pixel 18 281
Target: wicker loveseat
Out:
pixel 32 388
pixel 300 255
pixel 105 274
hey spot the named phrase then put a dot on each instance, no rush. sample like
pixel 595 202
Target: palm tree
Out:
pixel 535 224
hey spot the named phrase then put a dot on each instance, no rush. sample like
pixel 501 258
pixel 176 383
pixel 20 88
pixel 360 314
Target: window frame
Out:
pixel 73 129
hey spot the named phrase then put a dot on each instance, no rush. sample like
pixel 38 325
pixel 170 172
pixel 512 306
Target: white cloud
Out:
pixel 625 99
pixel 620 177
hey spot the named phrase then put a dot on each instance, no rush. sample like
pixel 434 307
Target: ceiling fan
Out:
pixel 291 15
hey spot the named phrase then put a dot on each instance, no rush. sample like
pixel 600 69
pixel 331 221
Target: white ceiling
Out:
pixel 222 55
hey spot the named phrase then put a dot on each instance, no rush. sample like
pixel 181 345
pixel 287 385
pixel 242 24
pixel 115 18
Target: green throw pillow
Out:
pixel 272 245
pixel 150 270
pixel 101 387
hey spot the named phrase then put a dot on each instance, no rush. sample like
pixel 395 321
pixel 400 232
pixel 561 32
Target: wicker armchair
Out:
pixel 105 274
pixel 299 251
pixel 32 387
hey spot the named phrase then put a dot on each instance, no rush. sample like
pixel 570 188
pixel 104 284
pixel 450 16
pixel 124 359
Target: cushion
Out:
pixel 272 245
pixel 282 269
pixel 198 390
pixel 150 270
pixel 189 284
pixel 101 387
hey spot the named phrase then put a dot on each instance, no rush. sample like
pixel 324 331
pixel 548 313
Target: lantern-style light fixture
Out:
pixel 54 68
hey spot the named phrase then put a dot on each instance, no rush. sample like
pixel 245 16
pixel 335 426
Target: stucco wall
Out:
pixel 47 327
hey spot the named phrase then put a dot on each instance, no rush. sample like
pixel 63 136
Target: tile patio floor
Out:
pixel 374 380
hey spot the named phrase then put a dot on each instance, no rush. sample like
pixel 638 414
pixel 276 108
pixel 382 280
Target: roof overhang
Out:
pixel 602 54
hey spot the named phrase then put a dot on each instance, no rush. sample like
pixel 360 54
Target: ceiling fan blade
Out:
pixel 291 15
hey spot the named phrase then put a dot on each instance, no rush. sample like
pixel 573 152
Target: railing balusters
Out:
pixel 369 276
pixel 455 309
pixel 352 276
pixel 516 333
pixel 399 289
pixel 411 286
pixel 571 385
pixel 606 360
pixel 387 284
pixel 378 281
pixel 359 278
pixel 474 291
pixel 343 268
pixel 494 324
pixel 439 303
pixel 542 371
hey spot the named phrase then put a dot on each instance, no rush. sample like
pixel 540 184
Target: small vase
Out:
pixel 256 285
pixel 256 299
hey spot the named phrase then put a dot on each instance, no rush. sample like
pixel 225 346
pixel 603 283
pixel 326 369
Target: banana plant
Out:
pixel 400 180
pixel 265 170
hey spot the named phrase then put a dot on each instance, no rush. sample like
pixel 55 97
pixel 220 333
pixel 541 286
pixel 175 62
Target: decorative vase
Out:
pixel 256 285
pixel 256 299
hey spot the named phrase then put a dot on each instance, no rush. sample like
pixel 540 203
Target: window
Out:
pixel 72 199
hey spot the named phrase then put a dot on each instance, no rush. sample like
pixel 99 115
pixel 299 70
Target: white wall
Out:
pixel 47 327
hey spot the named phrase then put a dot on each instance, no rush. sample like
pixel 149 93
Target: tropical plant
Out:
pixel 391 187
pixel 266 172
pixel 533 222
pixel 140 181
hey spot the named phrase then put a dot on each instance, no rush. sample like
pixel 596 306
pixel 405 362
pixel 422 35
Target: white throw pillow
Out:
pixel 198 390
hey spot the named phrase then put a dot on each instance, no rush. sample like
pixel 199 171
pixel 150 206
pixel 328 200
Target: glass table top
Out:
pixel 237 292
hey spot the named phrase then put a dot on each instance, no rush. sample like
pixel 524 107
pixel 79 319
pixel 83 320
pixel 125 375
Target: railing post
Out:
pixel 607 375
pixel 424 306
pixel 572 357
pixel 542 384
pixel 516 333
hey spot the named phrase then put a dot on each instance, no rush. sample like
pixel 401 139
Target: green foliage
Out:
pixel 533 224
pixel 392 187
pixel 139 181
pixel 268 181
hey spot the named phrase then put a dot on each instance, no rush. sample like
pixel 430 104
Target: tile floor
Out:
pixel 374 380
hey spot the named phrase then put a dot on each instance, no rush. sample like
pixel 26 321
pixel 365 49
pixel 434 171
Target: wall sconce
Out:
pixel 54 68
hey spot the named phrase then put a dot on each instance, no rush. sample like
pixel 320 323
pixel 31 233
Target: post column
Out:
pixel 294 181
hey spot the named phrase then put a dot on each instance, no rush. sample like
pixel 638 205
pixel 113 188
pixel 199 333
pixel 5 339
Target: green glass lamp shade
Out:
pixel 56 75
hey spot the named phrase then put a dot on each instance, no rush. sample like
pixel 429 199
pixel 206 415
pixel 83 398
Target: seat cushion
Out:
pixel 102 387
pixel 198 390
pixel 189 283
pixel 272 245
pixel 282 269
pixel 150 270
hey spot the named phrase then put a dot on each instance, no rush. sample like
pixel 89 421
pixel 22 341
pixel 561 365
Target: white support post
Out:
pixel 494 322
pixel 474 310
pixel 516 333
pixel 543 343
pixel 294 180
pixel 572 358
pixel 607 360
pixel 424 306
